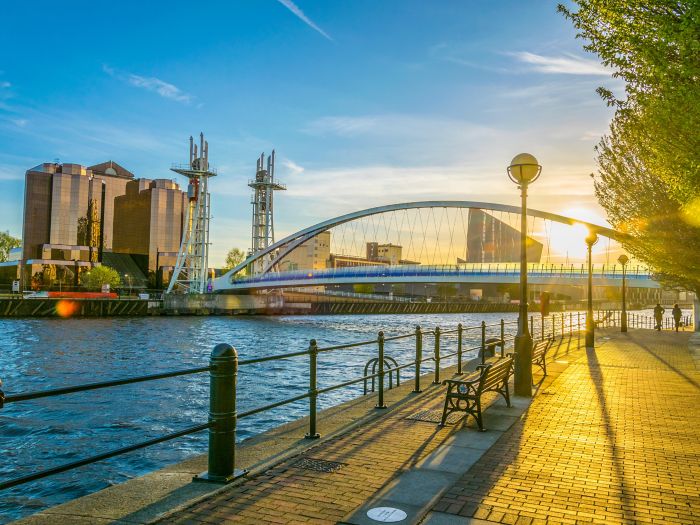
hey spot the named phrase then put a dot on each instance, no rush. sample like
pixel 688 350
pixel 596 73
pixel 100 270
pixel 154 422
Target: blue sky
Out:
pixel 367 102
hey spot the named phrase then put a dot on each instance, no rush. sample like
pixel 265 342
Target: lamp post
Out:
pixel 523 170
pixel 591 239
pixel 623 260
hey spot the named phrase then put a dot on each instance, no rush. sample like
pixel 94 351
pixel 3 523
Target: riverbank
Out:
pixel 144 499
pixel 231 305
pixel 399 458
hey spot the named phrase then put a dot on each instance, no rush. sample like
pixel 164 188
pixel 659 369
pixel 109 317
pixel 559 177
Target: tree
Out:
pixel 234 257
pixel 7 242
pixel 363 288
pixel 649 163
pixel 99 275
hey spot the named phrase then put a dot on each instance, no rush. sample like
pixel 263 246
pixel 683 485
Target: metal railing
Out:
pixel 224 365
pixel 486 269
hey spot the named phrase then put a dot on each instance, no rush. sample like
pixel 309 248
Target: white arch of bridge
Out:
pixel 289 243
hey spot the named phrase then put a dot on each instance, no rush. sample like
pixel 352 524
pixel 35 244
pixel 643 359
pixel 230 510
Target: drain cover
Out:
pixel 386 514
pixel 435 416
pixel 319 465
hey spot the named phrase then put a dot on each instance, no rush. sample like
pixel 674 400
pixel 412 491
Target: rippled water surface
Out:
pixel 38 354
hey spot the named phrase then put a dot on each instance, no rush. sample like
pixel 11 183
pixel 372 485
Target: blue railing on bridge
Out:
pixel 492 270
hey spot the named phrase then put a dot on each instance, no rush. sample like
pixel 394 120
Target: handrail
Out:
pixel 102 384
pixel 223 369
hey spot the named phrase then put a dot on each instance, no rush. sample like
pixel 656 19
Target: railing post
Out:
pixel 541 327
pixel 483 342
pixel 313 389
pixel 532 325
pixel 380 378
pixel 503 340
pixel 578 321
pixel 419 358
pixel 459 348
pixel 436 380
pixel 222 416
pixel 571 323
pixel 562 325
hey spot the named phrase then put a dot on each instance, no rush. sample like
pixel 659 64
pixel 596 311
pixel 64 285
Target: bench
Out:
pixel 539 353
pixel 465 396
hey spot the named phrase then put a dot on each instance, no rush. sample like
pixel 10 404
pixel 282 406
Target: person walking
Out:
pixel 659 316
pixel 677 314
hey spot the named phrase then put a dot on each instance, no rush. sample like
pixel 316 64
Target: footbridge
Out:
pixel 482 274
pixel 433 242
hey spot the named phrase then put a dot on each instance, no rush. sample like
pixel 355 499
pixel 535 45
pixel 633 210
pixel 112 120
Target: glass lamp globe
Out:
pixel 524 169
pixel 591 238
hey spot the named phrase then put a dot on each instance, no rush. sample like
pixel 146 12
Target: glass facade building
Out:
pixel 490 240
pixel 71 220
pixel 148 220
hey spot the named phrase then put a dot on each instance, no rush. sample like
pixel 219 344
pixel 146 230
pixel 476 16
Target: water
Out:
pixel 38 354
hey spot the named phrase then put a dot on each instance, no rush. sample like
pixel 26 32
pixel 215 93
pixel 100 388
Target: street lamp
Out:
pixel 623 260
pixel 523 170
pixel 591 239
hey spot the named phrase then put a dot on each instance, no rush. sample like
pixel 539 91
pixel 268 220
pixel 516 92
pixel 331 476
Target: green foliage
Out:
pixel 89 229
pixel 234 257
pixel 99 275
pixel 7 242
pixel 363 288
pixel 649 162
pixel 446 290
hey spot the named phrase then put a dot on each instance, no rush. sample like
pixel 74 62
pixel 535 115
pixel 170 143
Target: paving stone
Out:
pixel 606 442
pixel 453 459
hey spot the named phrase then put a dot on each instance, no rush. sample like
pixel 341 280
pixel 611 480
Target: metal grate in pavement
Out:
pixel 435 416
pixel 319 465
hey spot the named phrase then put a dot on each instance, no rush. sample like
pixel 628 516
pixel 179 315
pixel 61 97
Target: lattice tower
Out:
pixel 263 226
pixel 192 265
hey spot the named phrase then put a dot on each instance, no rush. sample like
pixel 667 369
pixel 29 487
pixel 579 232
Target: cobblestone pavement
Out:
pixel 615 439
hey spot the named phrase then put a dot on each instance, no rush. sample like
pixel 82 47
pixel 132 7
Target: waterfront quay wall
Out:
pixel 19 307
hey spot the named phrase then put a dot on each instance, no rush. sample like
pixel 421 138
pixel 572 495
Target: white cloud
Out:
pixel 568 64
pixel 153 84
pixel 300 14
pixel 21 122
pixel 293 167
pixel 397 126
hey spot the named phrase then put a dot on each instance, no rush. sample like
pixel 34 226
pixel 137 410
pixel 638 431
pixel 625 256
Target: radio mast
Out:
pixel 192 266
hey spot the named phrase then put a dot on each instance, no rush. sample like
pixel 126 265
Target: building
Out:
pixel 311 254
pixel 388 253
pixel 349 261
pixel 148 221
pixel 490 240
pixel 70 223
pixel 66 212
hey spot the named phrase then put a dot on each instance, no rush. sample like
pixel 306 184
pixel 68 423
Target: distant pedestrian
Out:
pixel 677 314
pixel 659 316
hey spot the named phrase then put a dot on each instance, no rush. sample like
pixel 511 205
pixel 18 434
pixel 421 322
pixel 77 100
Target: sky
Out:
pixel 366 102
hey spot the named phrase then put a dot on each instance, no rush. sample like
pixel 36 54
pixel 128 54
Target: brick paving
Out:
pixel 371 455
pixel 615 439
